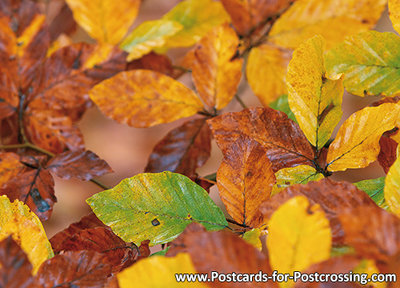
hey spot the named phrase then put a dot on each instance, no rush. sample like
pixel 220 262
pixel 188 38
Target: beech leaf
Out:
pixel 155 206
pixel 392 187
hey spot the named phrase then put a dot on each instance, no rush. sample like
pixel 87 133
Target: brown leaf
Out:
pixel 374 233
pixel 248 15
pixel 87 222
pixel 182 150
pixel 35 187
pixel 65 17
pixel 16 270
pixel 223 252
pixel 74 269
pixel 284 142
pixel 10 167
pixel 153 61
pixel 118 253
pixel 337 265
pixel 82 165
pixel 245 179
pixel 387 155
pixel 333 197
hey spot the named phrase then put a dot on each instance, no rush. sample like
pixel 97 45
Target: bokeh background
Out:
pixel 127 149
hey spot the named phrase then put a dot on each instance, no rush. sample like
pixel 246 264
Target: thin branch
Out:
pixel 237 97
pixel 237 224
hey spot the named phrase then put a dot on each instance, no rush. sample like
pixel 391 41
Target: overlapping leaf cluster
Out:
pixel 299 56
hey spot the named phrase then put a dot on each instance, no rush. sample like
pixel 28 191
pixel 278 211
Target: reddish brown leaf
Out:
pixel 118 253
pixel 65 17
pixel 35 187
pixel 337 265
pixel 221 251
pixel 333 197
pixel 387 154
pixel 15 268
pixel 182 150
pixel 87 222
pixel 74 269
pixel 153 61
pixel 82 165
pixel 284 142
pixel 245 180
pixel 248 15
pixel 374 233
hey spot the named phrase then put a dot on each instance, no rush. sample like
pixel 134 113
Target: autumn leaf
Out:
pixel 197 19
pixel 153 61
pixel 253 237
pixel 74 269
pixel 155 206
pixel 357 142
pixel 374 188
pixel 245 179
pixel 369 63
pixel 306 18
pixel 282 104
pixel 182 150
pixel 106 21
pixel 249 15
pixel 388 149
pixel 268 62
pixel 64 15
pixel 392 187
pixel 284 142
pixel 26 229
pixel 314 99
pixel 147 36
pixel 380 228
pixel 16 270
pixel 301 174
pixel 144 98
pixel 224 252
pixel 215 73
pixel 298 236
pixel 333 197
pixel 394 13
pixel 158 271
pixel 82 165
pixel 10 167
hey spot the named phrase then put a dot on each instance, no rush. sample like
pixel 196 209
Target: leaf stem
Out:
pixel 45 152
pixel 236 223
pixel 237 97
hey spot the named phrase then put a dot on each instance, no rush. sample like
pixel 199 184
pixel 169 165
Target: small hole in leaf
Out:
pixel 155 222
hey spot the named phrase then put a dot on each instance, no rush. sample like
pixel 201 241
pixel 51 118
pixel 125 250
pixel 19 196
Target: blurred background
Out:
pixel 127 149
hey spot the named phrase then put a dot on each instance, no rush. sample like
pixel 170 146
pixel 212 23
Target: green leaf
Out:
pixel 197 18
pixel 155 206
pixel 301 174
pixel 370 62
pixel 374 188
pixel 161 253
pixel 147 36
pixel 342 250
pixel 282 104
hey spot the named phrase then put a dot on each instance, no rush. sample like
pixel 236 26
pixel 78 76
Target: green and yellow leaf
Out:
pixel 375 189
pixel 144 98
pixel 314 99
pixel 392 187
pixel 357 142
pixel 394 13
pixel 155 207
pixel 370 63
pixel 253 237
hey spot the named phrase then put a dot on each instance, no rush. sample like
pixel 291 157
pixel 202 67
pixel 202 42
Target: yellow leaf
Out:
pixel 357 142
pixel 253 237
pixel 29 33
pixel 157 272
pixel 267 62
pixel 197 18
pixel 147 36
pixel 62 41
pixel 298 236
pixel 215 75
pixel 315 100
pixel 394 13
pixel 107 21
pixel 392 187
pixel 26 229
pixel 368 267
pixel 333 19
pixel 144 98
pixel 301 174
pixel 245 180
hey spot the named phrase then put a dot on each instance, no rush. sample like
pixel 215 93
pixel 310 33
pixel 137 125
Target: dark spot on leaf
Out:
pixel 155 222
pixel 41 205
pixel 2 100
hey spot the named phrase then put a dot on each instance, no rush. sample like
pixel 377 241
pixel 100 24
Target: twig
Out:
pixel 244 106
pixel 237 224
